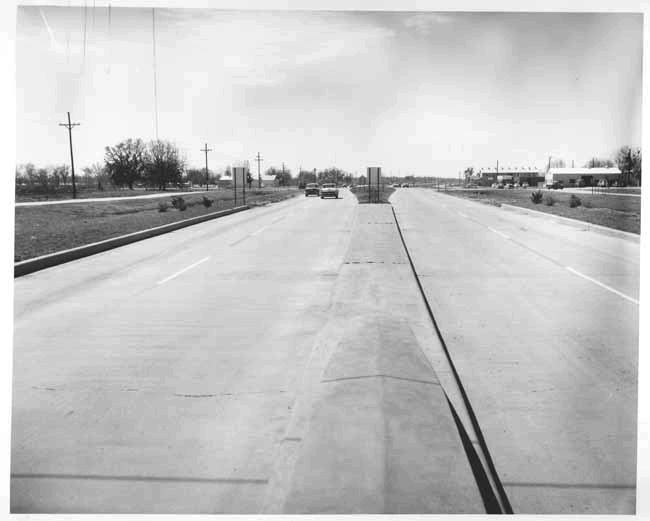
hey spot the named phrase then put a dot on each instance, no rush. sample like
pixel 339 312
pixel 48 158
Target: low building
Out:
pixel 507 174
pixel 582 176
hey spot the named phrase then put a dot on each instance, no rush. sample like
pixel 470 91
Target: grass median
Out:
pixel 617 212
pixel 44 229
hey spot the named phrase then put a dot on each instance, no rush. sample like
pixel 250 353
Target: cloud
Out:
pixel 424 23
pixel 264 48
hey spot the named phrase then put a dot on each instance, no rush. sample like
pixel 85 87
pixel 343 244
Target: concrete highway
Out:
pixel 541 319
pixel 281 360
pixel 160 376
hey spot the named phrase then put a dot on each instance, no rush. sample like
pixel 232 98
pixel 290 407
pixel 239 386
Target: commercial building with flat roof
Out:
pixel 582 176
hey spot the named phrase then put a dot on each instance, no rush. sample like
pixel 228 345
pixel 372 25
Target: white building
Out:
pixel 582 176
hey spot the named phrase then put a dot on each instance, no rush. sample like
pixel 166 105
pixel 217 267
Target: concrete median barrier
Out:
pixel 54 259
pixel 380 437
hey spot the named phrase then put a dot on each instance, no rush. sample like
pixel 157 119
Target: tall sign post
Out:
pixel 374 178
pixel 239 179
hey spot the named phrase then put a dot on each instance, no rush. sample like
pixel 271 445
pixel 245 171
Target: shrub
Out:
pixel 179 203
pixel 549 201
pixel 536 197
pixel 207 202
pixel 574 201
pixel 162 206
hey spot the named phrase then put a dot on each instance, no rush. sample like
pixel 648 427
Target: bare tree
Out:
pixel 164 164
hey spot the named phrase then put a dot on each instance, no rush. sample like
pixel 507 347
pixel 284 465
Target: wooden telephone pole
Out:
pixel 69 126
pixel 259 159
pixel 206 150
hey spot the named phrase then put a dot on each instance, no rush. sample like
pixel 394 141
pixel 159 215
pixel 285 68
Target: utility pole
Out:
pixel 69 126
pixel 206 150
pixel 259 176
pixel 283 173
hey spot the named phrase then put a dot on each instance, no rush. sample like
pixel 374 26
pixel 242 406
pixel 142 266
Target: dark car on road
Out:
pixel 312 189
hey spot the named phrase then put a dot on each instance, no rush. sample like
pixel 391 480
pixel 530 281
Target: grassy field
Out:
pixel 620 213
pixel 361 193
pixel 47 229
pixel 90 193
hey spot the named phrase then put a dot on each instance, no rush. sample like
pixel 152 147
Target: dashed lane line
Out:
pixel 499 233
pixel 256 232
pixel 180 272
pixel 605 286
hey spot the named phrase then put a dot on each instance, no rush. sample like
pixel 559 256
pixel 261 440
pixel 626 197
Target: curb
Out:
pixel 576 222
pixel 54 259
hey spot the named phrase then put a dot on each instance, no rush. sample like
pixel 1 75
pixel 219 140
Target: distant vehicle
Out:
pixel 405 185
pixel 524 185
pixel 510 185
pixel 329 190
pixel 395 185
pixel 471 185
pixel 312 189
pixel 500 186
pixel 494 185
pixel 557 185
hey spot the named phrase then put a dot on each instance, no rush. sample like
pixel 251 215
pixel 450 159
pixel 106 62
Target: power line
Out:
pixel 108 31
pixel 85 29
pixel 69 126
pixel 155 73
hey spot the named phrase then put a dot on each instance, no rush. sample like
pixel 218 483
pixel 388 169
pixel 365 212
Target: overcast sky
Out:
pixel 420 92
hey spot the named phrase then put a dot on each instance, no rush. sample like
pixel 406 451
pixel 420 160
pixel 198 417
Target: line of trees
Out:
pixel 52 179
pixel 155 164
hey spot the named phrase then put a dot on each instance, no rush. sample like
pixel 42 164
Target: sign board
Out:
pixel 374 173
pixel 239 181
pixel 239 176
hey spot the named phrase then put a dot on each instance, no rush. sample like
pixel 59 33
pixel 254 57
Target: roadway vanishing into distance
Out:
pixel 281 360
pixel 541 319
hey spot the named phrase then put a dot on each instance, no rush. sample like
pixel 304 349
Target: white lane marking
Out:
pixel 278 219
pixel 498 232
pixel 598 283
pixel 238 240
pixel 183 270
pixel 463 215
pixel 260 230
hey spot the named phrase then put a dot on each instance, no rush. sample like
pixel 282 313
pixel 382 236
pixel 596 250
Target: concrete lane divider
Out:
pixel 54 259
pixel 381 438
pixel 378 435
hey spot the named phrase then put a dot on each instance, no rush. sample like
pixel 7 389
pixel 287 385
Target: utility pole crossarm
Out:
pixel 206 150
pixel 69 125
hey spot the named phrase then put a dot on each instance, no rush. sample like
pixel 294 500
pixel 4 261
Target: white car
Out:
pixel 329 190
